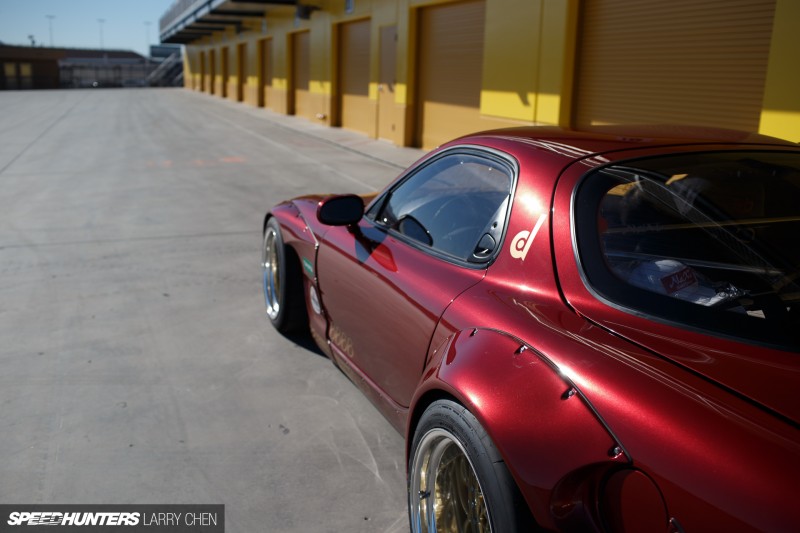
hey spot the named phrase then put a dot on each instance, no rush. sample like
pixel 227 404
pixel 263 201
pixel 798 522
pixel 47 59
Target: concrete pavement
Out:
pixel 137 363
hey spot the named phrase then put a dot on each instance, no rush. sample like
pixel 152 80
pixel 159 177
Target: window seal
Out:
pixel 483 152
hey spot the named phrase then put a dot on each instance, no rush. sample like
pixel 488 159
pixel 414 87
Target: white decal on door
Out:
pixel 523 240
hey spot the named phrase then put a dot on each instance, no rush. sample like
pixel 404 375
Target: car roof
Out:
pixel 599 139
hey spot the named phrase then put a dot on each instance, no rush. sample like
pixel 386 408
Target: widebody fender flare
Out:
pixel 538 420
pixel 299 228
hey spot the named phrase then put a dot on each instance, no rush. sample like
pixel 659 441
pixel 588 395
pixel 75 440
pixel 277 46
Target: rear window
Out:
pixel 709 241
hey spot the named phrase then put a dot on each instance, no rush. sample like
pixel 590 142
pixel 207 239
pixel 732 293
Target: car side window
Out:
pixel 456 205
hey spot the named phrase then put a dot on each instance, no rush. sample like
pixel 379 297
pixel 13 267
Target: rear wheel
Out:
pixel 283 282
pixel 457 480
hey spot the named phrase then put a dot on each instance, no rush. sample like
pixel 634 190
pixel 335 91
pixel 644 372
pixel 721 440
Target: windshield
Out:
pixel 710 240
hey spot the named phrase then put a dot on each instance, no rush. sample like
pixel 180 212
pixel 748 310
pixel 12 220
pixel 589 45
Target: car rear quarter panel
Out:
pixel 721 461
pixel 542 430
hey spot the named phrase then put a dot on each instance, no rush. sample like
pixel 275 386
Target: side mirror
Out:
pixel 343 210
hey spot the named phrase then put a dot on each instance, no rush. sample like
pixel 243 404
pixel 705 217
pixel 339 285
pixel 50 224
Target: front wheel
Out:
pixel 457 480
pixel 283 283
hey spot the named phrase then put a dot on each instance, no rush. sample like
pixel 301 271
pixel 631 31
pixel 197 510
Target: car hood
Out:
pixel 768 377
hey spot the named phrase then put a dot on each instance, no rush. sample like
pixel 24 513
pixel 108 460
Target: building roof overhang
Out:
pixel 189 20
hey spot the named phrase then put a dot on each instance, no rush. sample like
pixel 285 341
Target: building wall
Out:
pixel 29 68
pixel 529 69
pixel 29 74
pixel 23 67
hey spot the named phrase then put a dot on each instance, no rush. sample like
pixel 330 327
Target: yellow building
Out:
pixel 419 72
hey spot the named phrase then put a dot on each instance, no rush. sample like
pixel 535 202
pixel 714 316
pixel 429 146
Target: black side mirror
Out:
pixel 343 210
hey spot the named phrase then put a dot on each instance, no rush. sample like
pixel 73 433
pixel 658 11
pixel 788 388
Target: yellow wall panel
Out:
pixel 780 115
pixel 528 59
pixel 511 58
pixel 557 62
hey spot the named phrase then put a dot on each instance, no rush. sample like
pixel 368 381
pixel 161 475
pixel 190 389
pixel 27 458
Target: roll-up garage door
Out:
pixel 450 67
pixel 356 111
pixel 301 74
pixel 682 61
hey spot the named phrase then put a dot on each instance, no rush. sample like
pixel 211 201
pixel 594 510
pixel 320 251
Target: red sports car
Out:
pixel 575 331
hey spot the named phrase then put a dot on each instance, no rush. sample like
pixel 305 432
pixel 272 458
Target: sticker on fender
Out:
pixel 308 266
pixel 523 240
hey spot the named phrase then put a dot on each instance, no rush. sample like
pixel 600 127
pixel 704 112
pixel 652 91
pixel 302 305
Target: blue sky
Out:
pixel 75 23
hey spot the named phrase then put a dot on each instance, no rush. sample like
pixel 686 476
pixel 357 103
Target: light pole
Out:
pixel 101 21
pixel 50 21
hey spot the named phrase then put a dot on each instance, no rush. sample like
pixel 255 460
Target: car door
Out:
pixel 385 283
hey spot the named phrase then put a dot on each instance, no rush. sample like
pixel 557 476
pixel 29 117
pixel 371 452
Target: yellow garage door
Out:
pixel 681 61
pixel 301 74
pixel 356 111
pixel 450 67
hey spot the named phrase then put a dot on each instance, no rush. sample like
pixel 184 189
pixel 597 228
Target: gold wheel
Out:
pixel 446 495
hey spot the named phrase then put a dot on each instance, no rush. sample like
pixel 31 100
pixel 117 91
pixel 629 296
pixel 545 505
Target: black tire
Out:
pixel 283 282
pixel 454 463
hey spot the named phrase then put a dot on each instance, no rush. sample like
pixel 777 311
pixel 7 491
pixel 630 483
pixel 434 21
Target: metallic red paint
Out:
pixel 722 360
pixel 541 429
pixel 362 294
pixel 631 501
pixel 604 417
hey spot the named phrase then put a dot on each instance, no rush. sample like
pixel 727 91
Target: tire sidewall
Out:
pixel 500 493
pixel 279 320
pixel 292 315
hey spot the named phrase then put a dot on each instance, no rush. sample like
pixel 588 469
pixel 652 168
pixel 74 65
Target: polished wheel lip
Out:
pixel 435 446
pixel 270 270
